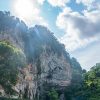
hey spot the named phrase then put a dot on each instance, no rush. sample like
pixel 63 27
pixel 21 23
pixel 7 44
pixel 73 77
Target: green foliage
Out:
pixel 88 89
pixel 82 88
pixel 53 95
pixel 10 59
pixel 92 83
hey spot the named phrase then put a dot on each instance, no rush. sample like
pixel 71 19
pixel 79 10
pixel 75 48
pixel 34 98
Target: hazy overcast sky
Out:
pixel 75 23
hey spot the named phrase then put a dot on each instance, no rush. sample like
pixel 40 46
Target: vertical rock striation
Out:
pixel 48 63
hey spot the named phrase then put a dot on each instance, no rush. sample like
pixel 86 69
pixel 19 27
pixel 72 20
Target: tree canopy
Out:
pixel 10 59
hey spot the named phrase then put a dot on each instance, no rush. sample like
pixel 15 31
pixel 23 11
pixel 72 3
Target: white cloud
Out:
pixel 33 13
pixel 81 29
pixel 55 3
pixel 58 3
pixel 88 57
pixel 41 1
pixel 85 2
pixel 90 4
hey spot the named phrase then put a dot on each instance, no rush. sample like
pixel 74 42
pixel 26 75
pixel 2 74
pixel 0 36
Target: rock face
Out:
pixel 48 64
pixel 54 67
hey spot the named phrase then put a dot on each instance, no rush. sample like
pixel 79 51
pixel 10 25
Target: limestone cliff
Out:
pixel 48 64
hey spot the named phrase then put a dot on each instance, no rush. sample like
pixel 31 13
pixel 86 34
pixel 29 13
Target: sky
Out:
pixel 75 23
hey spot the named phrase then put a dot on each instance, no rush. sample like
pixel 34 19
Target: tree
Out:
pixel 10 59
pixel 53 95
pixel 91 85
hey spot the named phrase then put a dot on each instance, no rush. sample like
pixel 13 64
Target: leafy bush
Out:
pixel 53 95
pixel 10 59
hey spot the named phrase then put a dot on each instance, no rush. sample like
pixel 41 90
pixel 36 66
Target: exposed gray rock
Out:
pixel 48 64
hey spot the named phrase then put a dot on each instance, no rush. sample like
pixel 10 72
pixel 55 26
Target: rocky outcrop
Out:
pixel 48 64
pixel 54 67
